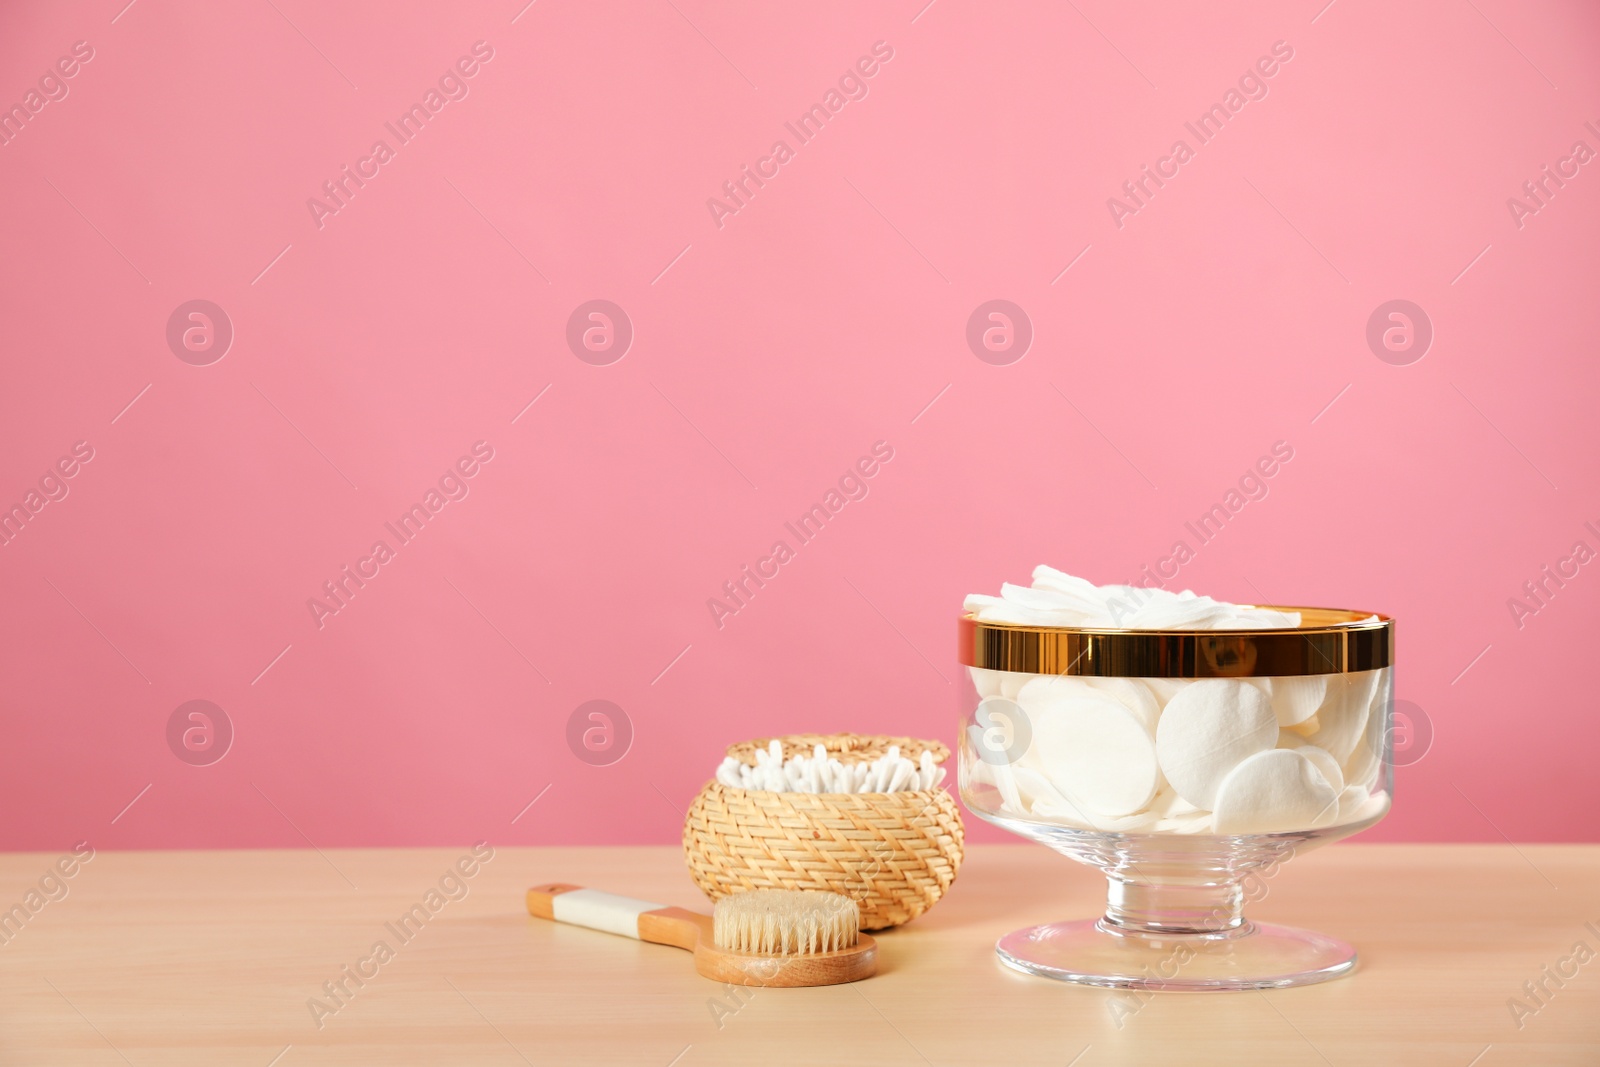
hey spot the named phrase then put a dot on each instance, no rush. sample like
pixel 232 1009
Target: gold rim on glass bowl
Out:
pixel 1327 641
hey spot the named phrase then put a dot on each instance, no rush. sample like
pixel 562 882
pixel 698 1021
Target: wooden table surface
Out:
pixel 214 959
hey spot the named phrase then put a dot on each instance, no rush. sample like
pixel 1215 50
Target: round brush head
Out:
pixel 785 922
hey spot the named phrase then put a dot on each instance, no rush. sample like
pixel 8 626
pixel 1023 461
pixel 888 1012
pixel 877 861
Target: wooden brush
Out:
pixel 766 937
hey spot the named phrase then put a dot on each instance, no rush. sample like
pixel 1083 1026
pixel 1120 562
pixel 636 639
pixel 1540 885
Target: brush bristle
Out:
pixel 785 922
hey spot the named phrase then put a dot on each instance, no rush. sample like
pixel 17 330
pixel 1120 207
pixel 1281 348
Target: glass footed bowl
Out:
pixel 1187 766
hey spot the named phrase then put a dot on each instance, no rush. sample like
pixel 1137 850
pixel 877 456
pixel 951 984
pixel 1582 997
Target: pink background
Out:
pixel 769 353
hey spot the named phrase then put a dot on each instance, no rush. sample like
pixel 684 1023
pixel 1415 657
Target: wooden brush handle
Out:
pixel 641 919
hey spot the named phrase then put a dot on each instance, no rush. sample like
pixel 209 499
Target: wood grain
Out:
pixel 212 959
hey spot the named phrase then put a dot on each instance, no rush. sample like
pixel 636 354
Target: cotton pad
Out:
pixel 1197 822
pixel 1066 811
pixel 1129 692
pixel 1132 694
pixel 1274 791
pixel 1042 691
pixel 1058 599
pixel 1351 800
pixel 1374 806
pixel 1164 689
pixel 1362 768
pixel 1342 719
pixel 1320 757
pixel 1307 728
pixel 1042 599
pixel 1095 752
pixel 1080 593
pixel 1206 730
pixel 1011 684
pixel 1034 787
pixel 1363 764
pixel 986 682
pixel 1168 804
pixel 998 775
pixel 1044 799
pixel 1295 700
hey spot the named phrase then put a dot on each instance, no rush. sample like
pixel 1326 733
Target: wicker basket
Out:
pixel 893 853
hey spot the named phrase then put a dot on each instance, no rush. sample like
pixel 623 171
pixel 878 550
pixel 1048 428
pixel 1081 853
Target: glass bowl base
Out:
pixel 1250 956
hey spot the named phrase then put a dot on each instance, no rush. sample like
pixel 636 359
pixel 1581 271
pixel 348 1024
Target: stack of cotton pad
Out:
pixel 1059 599
pixel 1172 755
